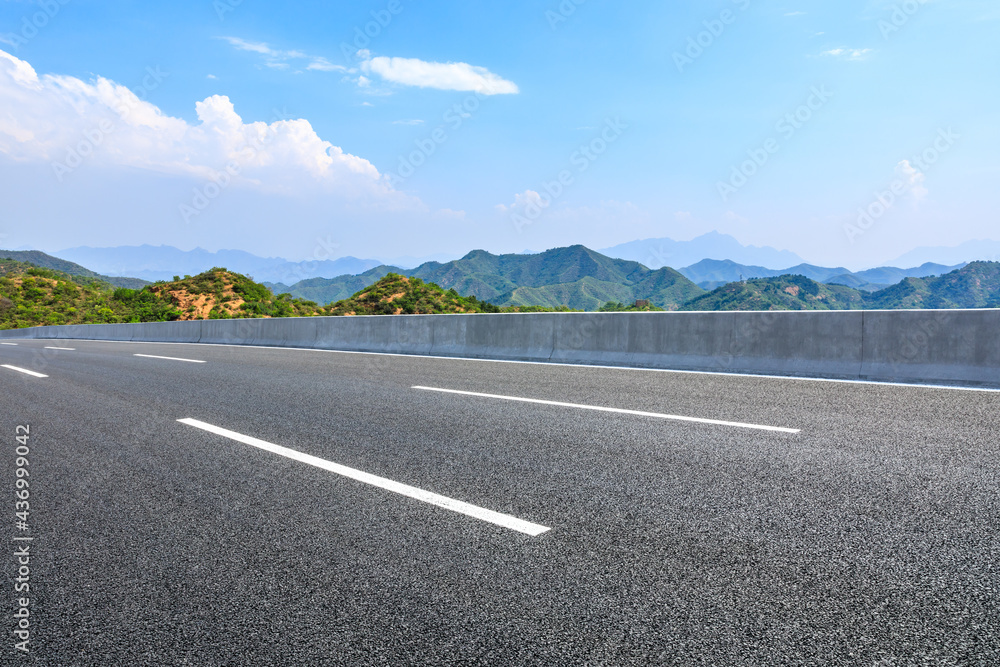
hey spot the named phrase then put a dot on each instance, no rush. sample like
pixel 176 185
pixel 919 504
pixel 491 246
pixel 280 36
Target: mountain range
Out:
pixel 42 260
pixel 712 273
pixel 975 285
pixel 584 279
pixel 154 263
pixel 576 277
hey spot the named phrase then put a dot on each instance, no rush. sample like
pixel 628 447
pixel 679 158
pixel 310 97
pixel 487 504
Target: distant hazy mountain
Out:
pixel 656 253
pixel 711 273
pixel 575 276
pixel 45 261
pixel 164 262
pixel 970 251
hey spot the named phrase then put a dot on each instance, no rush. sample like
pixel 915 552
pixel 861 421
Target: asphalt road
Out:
pixel 871 536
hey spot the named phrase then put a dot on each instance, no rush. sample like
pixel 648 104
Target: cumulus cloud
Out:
pixel 442 76
pixel 64 121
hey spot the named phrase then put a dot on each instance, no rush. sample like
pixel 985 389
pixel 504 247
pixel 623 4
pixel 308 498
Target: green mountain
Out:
pixel 588 294
pixel 975 285
pixel 781 293
pixel 44 261
pixel 576 277
pixel 34 296
pixel 404 295
pixel 329 290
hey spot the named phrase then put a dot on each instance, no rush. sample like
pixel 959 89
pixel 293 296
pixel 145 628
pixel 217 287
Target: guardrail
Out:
pixel 959 347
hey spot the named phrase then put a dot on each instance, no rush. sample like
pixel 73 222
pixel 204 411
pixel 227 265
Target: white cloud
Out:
pixel 324 65
pixel 404 71
pixel 279 59
pixel 50 119
pixel 913 178
pixel 255 47
pixel 442 76
pixel 849 54
pixel 212 77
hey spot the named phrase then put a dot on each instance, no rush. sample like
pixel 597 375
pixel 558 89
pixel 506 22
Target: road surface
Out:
pixel 214 505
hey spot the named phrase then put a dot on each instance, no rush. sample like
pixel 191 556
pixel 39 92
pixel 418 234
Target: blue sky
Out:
pixel 274 128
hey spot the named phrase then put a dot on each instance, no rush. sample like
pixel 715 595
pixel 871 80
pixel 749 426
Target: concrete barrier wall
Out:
pixel 931 346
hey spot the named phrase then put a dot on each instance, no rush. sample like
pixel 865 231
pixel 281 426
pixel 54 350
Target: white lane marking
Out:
pixel 598 408
pixel 25 371
pixel 51 347
pixel 14 344
pixel 764 376
pixel 153 356
pixel 504 520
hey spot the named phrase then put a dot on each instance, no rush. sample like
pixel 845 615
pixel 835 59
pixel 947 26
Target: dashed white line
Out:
pixel 496 518
pixel 25 371
pixel 14 344
pixel 52 347
pixel 621 411
pixel 153 356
